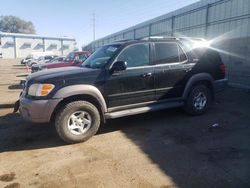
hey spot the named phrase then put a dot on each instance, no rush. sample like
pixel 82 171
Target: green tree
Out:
pixel 13 24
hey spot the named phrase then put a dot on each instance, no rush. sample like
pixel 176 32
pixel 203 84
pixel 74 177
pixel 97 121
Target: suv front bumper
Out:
pixel 38 111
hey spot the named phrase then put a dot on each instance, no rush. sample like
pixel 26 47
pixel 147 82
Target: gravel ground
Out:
pixel 160 149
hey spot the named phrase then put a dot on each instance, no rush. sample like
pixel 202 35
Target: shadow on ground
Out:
pixel 6 106
pixel 190 150
pixel 18 65
pixel 17 135
pixel 15 86
pixel 21 65
pixel 19 68
pixel 22 75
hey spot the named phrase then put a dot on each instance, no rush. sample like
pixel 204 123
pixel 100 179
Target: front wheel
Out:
pixel 77 121
pixel 198 101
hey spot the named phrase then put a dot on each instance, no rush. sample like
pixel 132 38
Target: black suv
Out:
pixel 124 78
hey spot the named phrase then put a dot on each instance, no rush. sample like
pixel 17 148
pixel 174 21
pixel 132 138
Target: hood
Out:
pixel 64 73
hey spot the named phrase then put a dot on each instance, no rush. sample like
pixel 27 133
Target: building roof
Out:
pixel 34 36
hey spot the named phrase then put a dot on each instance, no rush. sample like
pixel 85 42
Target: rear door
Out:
pixel 171 70
pixel 135 84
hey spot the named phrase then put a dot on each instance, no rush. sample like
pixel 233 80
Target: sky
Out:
pixel 74 18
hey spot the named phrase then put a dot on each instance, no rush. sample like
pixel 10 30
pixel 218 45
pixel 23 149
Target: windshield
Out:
pixel 70 57
pixel 101 56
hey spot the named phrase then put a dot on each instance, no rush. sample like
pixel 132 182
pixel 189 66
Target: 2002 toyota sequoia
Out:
pixel 124 78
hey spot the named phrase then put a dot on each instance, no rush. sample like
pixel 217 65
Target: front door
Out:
pixel 134 85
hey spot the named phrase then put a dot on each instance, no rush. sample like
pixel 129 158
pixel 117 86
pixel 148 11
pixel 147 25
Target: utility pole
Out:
pixel 93 25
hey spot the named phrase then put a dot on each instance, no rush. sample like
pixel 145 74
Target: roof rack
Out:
pixel 192 38
pixel 124 40
pixel 158 37
pixel 173 38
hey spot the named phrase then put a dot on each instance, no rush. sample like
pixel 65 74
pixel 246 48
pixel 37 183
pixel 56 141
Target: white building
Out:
pixel 14 45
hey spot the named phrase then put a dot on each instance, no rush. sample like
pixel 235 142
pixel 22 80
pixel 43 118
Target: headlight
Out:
pixel 40 90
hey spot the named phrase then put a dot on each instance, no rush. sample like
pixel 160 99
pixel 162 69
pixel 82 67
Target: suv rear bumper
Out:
pixel 220 85
pixel 38 111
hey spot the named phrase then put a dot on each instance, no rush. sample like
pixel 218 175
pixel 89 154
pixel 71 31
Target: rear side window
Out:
pixel 135 55
pixel 168 53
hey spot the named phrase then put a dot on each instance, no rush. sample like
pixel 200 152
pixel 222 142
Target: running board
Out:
pixel 150 108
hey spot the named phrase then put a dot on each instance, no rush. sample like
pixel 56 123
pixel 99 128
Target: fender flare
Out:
pixel 196 78
pixel 82 89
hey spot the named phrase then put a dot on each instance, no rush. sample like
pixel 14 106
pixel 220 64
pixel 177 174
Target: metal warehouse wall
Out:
pixel 20 45
pixel 226 22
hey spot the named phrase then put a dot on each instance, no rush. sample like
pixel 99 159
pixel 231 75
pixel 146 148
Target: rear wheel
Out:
pixel 77 121
pixel 198 101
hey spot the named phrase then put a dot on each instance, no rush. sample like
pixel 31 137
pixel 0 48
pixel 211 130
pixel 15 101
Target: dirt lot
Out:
pixel 160 149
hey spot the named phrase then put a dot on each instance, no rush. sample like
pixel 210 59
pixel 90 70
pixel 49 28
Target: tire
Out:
pixel 66 121
pixel 196 105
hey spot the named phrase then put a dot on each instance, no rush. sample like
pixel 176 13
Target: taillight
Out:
pixel 222 68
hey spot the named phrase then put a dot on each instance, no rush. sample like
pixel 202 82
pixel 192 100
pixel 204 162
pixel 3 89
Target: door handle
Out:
pixel 146 75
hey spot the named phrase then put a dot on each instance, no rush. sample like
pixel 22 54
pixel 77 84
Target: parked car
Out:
pixel 58 59
pixel 73 59
pixel 34 57
pixel 42 60
pixel 27 59
pixel 122 79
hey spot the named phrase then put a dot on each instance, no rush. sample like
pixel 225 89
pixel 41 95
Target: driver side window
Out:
pixel 135 55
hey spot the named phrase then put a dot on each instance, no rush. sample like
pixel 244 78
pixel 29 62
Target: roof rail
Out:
pixel 158 37
pixel 174 38
pixel 192 38
pixel 124 40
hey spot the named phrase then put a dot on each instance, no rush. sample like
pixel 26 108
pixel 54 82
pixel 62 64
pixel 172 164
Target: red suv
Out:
pixel 73 59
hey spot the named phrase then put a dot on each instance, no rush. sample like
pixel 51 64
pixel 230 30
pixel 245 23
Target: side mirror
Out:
pixel 118 66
